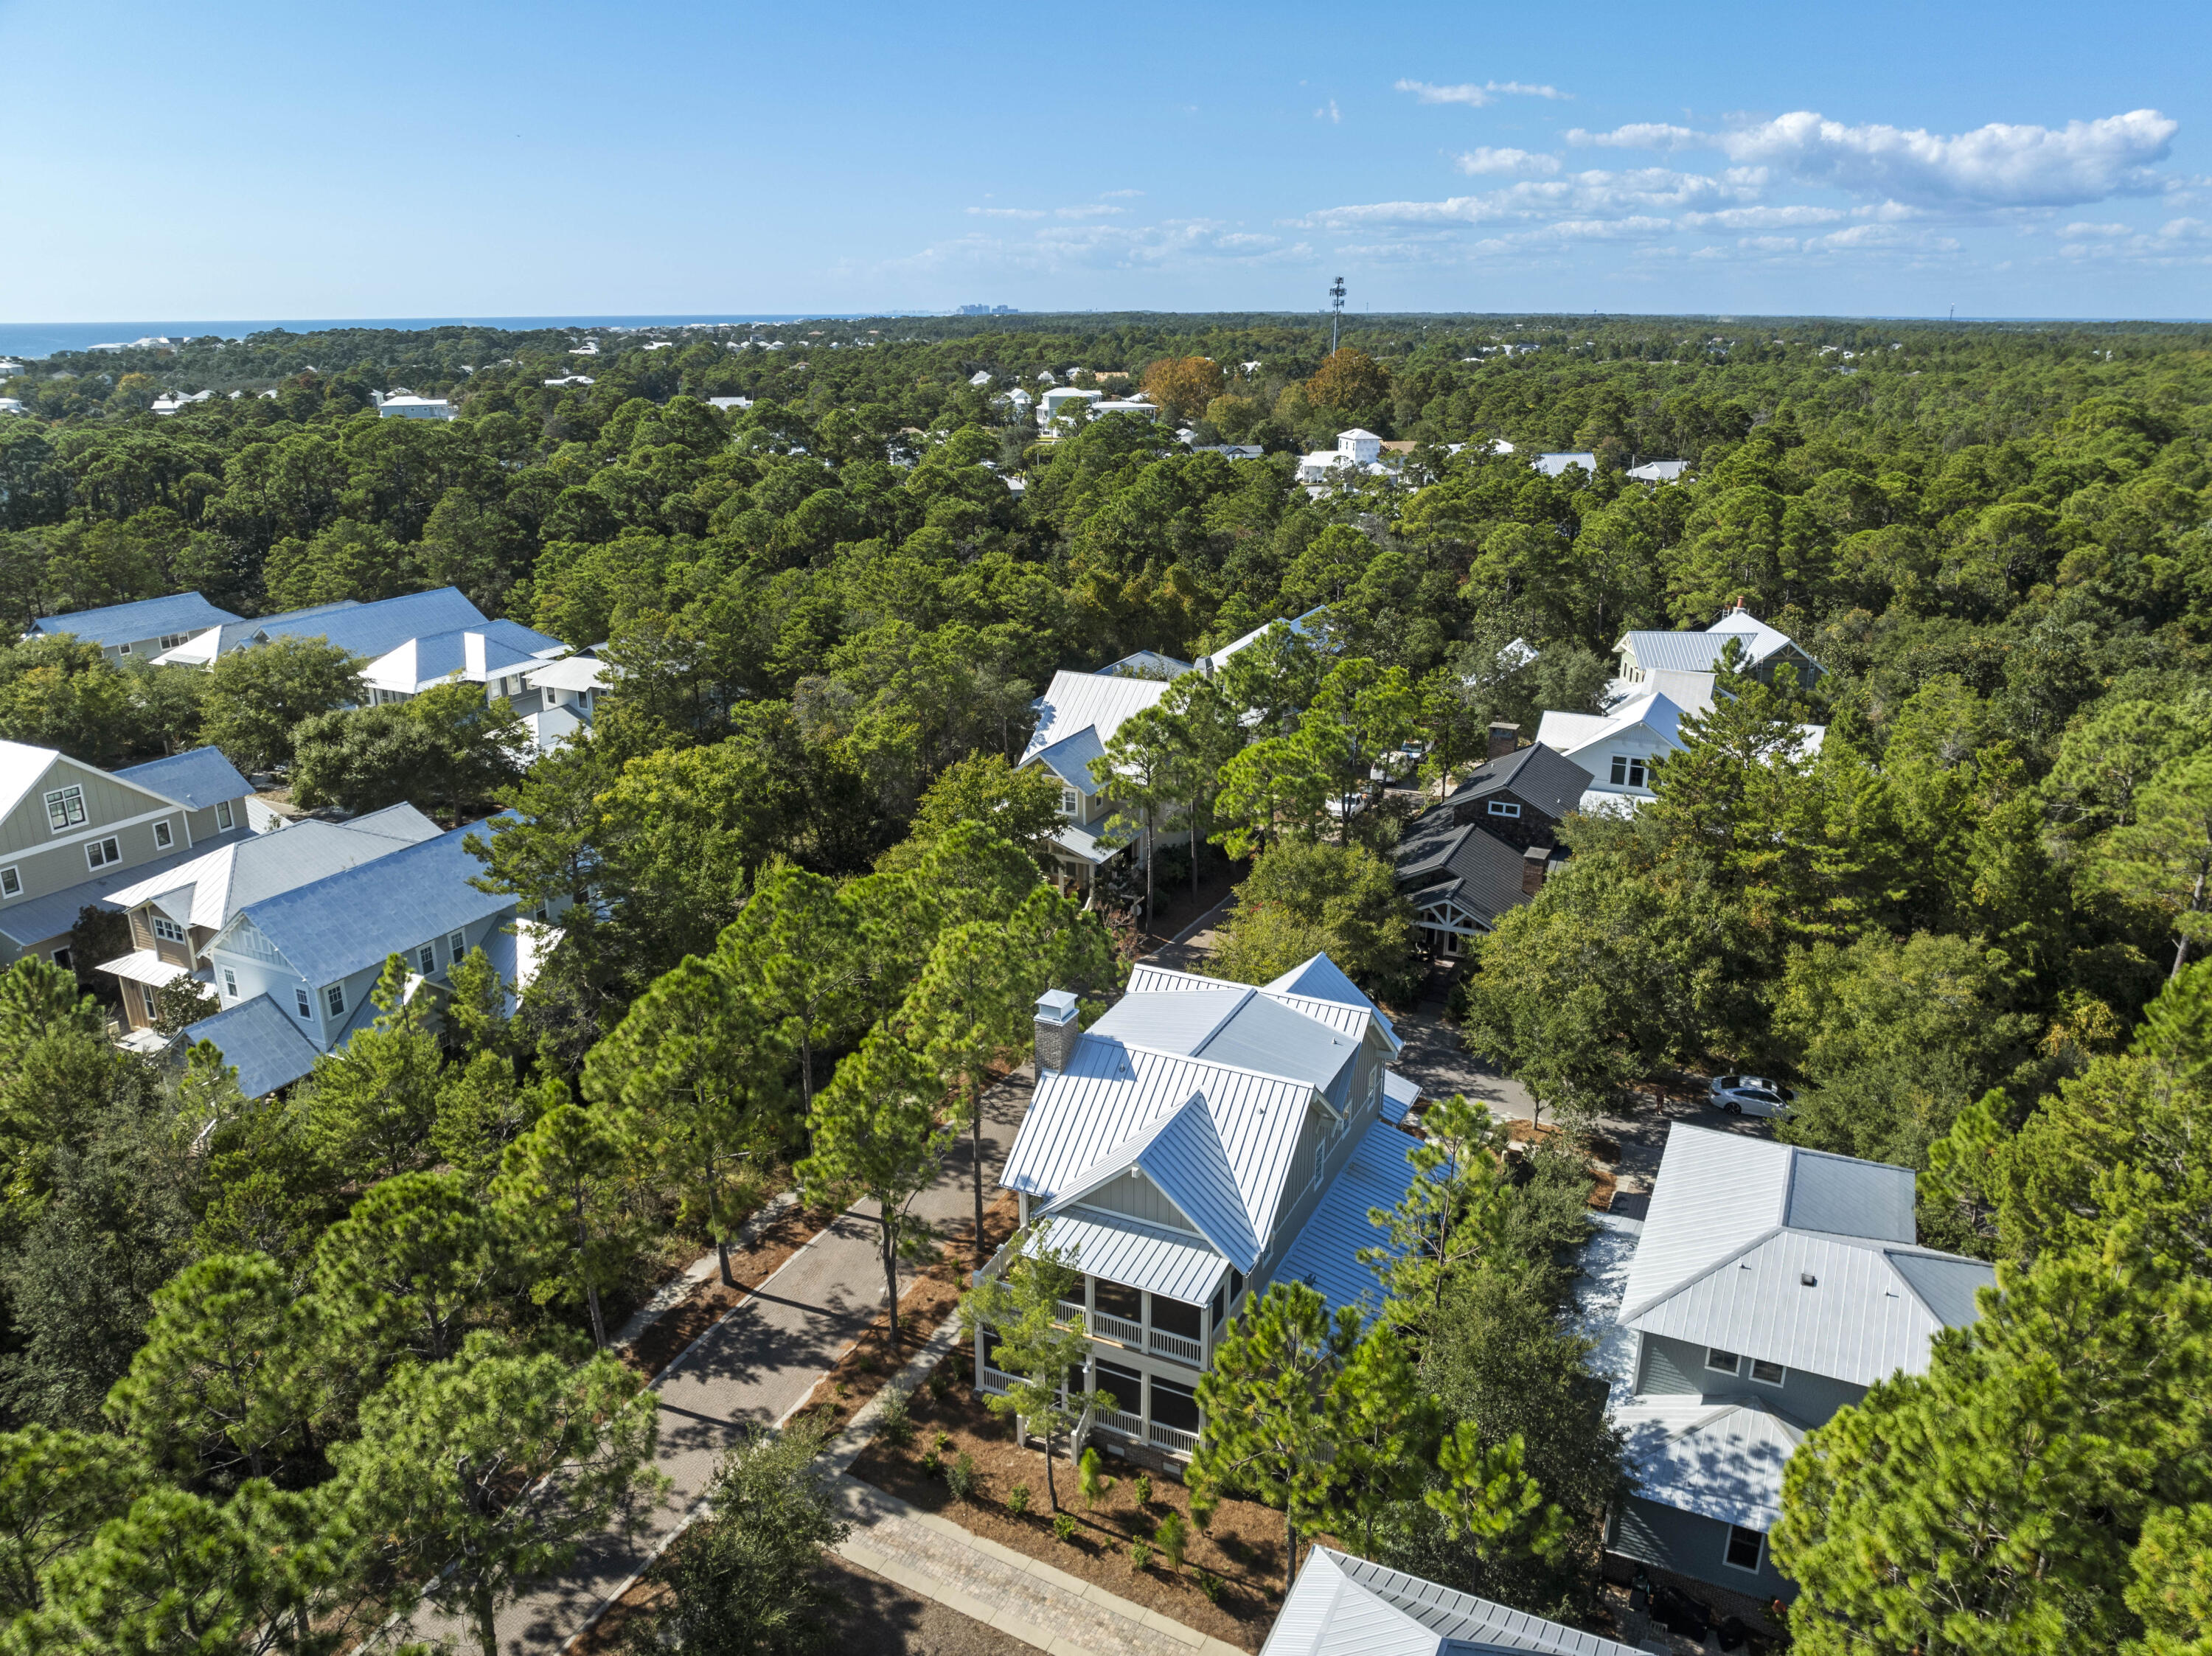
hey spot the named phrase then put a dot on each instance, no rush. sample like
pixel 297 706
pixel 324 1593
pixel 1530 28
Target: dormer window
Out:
pixel 1628 770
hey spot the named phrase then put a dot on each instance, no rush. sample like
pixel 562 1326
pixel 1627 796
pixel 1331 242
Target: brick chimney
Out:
pixel 1056 1030
pixel 1503 739
pixel 1535 865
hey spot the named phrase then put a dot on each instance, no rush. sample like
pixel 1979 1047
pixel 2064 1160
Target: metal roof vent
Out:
pixel 1807 1279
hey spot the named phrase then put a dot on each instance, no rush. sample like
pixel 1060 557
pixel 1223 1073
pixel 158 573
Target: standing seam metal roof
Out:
pixel 1126 1250
pixel 1719 1459
pixel 258 1040
pixel 1096 701
pixel 127 623
pixel 213 886
pixel 1180 1152
pixel 1326 1252
pixel 1347 1606
pixel 196 779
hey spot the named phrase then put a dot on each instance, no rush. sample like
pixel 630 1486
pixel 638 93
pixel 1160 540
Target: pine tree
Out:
pixel 1018 1311
pixel 560 1188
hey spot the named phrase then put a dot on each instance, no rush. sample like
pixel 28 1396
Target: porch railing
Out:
pixel 1071 1313
pixel 1175 1438
pixel 1120 1422
pixel 1118 1328
pixel 1181 1348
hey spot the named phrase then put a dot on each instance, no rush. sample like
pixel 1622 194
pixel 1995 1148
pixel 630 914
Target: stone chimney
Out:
pixel 1503 739
pixel 1056 1030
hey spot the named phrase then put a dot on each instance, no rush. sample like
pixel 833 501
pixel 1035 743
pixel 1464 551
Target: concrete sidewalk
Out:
pixel 1021 1596
pixel 755 1365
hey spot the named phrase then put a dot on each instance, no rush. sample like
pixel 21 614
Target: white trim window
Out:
pixel 164 837
pixel 307 1006
pixel 1505 808
pixel 223 819
pixel 1070 802
pixel 166 929
pixel 1768 1374
pixel 1629 770
pixel 1743 1549
pixel 457 945
pixel 1721 1362
pixel 65 809
pixel 146 999
pixel 334 997
pixel 229 984
pixel 426 959
pixel 102 853
pixel 11 882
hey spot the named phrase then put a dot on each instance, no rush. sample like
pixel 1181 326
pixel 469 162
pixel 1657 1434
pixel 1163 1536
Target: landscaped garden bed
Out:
pixel 1241 1551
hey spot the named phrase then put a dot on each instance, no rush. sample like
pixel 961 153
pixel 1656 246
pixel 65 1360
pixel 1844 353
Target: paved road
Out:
pixel 756 1365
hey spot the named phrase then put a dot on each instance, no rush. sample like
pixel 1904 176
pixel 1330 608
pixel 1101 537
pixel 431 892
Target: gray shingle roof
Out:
pixel 352 920
pixel 1438 858
pixel 258 1040
pixel 127 623
pixel 1542 776
pixel 196 779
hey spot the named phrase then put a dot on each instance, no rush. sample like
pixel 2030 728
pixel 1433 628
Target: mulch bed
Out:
pixel 1602 1181
pixel 1243 1545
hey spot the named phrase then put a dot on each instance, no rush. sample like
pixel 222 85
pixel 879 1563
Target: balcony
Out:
pixel 1173 1440
pixel 995 1379
pixel 1071 1313
pixel 1110 1327
pixel 1121 1422
pixel 1179 1347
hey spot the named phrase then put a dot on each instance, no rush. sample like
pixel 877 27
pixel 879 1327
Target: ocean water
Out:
pixel 34 339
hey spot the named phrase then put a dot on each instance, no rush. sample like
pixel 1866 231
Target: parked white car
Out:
pixel 1749 1095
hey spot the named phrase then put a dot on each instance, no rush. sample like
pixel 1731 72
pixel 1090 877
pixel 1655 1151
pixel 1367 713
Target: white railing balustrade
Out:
pixel 1118 1328
pixel 1071 1313
pixel 1124 1425
pixel 1173 1437
pixel 1175 1345
pixel 995 1379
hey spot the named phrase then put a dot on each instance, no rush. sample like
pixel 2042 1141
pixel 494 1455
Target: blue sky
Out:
pixel 419 159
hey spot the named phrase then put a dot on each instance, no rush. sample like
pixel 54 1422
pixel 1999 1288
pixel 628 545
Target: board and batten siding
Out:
pixel 107 799
pixel 1671 1367
pixel 1140 1198
pixel 1691 1545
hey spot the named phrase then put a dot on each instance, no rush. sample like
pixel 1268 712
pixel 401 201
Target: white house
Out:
pixel 144 628
pixel 1138 404
pixel 363 629
pixel 1077 717
pixel 1685 665
pixel 1620 749
pixel 1658 471
pixel 1770 1286
pixel 414 408
pixel 1050 405
pixel 980 376
pixel 1200 1142
pixel 1553 466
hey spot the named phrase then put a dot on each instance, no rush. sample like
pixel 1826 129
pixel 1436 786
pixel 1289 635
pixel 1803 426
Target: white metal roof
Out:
pixel 209 890
pixel 1795 1256
pixel 1305 626
pixel 570 673
pixel 1573 733
pixel 1179 1151
pixel 1720 1459
pixel 1321 980
pixel 143 965
pixel 1325 1255
pixel 1347 1606
pixel 1099 702
pixel 1129 1251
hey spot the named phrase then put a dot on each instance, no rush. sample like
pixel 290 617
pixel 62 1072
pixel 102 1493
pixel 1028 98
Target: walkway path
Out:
pixel 1021 1597
pixel 756 1365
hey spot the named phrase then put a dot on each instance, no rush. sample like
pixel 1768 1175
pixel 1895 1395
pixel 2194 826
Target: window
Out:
pixel 65 809
pixel 167 930
pixel 61 957
pixel 307 1007
pixel 455 946
pixel 1765 1373
pixel 146 999
pixel 229 984
pixel 1627 771
pixel 101 853
pixel 1071 803
pixel 1724 1362
pixel 222 818
pixel 1321 1157
pixel 124 651
pixel 1503 808
pixel 171 640
pixel 11 883
pixel 1743 1548
pixel 334 997
pixel 426 959
pixel 163 839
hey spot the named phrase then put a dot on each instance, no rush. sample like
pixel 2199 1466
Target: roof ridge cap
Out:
pixel 1645 1306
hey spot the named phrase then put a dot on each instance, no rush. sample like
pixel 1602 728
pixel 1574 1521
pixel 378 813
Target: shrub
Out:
pixel 1063 1526
pixel 1018 1499
pixel 1140 1556
pixel 960 1476
pixel 941 1382
pixel 945 1443
pixel 895 1424
pixel 1172 1537
pixel 1143 1488
pixel 1095 1484
pixel 1210 1585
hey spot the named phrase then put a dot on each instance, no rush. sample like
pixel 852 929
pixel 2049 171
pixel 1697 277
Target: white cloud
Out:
pixel 1638 192
pixel 1054 248
pixel 1005 213
pixel 1761 218
pixel 2182 241
pixel 2083 232
pixel 1509 161
pixel 1095 209
pixel 1477 97
pixel 1998 165
pixel 1329 111
pixel 1116 195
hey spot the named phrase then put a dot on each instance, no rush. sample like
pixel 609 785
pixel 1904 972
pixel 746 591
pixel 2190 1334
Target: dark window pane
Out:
pixel 1173 1317
pixel 1175 1405
pixel 1116 1300
pixel 1126 1385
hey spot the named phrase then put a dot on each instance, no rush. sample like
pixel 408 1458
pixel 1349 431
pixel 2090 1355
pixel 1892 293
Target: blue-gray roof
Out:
pixel 366 629
pixel 354 919
pixel 196 779
pixel 37 919
pixel 128 623
pixel 261 1041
